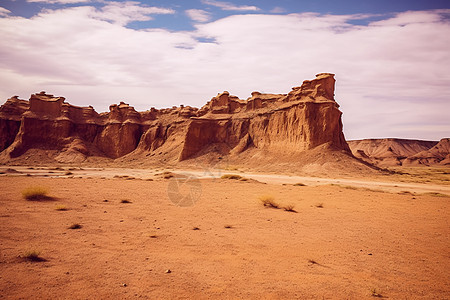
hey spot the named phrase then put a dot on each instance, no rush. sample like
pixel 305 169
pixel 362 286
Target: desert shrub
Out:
pixel 35 193
pixel 268 201
pixel 75 226
pixel 32 255
pixel 231 176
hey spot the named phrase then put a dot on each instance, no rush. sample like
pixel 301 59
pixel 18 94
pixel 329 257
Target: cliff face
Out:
pixel 273 124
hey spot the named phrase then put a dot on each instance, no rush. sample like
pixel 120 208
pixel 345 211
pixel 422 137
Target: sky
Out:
pixel 391 58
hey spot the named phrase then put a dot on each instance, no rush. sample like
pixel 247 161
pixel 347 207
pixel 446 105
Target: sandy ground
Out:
pixel 384 183
pixel 342 243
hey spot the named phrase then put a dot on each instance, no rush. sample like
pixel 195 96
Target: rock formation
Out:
pixel 263 126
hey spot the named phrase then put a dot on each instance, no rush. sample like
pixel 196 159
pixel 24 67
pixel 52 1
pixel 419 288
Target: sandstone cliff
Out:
pixel 263 128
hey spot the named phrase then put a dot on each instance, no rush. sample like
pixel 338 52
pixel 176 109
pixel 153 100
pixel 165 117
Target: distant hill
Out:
pixel 402 152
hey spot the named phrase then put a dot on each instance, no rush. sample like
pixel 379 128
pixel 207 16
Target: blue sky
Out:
pixel 391 58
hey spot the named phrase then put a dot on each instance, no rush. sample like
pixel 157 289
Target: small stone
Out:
pixel 168 271
pixel 124 284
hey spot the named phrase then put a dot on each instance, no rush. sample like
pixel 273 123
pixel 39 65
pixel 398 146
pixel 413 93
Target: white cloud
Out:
pixel 123 13
pixel 229 6
pixel 60 1
pixel 392 77
pixel 4 12
pixel 278 10
pixel 198 15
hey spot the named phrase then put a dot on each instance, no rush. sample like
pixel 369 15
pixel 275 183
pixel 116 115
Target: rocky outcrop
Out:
pixel 265 125
pixel 401 152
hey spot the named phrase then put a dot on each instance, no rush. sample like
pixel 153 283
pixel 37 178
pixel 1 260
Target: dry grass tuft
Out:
pixel 32 255
pixel 269 201
pixel 231 176
pixel 36 193
pixel 61 207
pixel 375 293
pixel 168 175
pixel 289 208
pixel 436 194
pixel 75 226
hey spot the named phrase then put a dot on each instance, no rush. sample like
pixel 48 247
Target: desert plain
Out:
pixel 344 238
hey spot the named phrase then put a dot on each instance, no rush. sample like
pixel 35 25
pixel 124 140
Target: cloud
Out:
pixel 198 15
pixel 60 1
pixel 392 75
pixel 278 10
pixel 229 6
pixel 123 13
pixel 4 12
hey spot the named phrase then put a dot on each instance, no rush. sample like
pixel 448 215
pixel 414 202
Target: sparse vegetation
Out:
pixel 75 226
pixel 231 176
pixel 61 207
pixel 32 255
pixel 36 193
pixel 375 293
pixel 406 193
pixel 125 201
pixel 231 168
pixel 269 201
pixel 289 208
pixel 167 175
pixel 351 187
pixel 436 194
